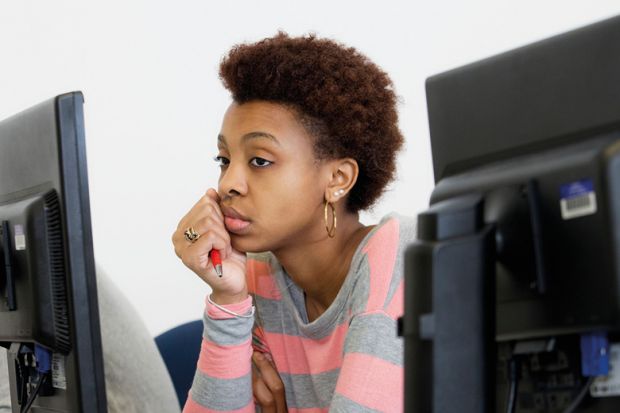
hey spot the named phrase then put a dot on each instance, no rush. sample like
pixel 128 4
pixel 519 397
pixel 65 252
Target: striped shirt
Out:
pixel 349 359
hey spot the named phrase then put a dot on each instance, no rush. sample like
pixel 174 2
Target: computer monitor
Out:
pixel 548 94
pixel 49 317
pixel 513 286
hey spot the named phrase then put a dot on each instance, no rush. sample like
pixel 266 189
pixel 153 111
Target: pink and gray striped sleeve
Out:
pixel 223 380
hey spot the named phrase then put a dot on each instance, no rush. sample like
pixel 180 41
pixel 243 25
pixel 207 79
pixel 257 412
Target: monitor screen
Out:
pixel 49 318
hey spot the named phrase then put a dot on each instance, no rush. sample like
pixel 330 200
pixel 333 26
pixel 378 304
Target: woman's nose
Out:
pixel 233 180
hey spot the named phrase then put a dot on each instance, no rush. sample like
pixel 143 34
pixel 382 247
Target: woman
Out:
pixel 309 140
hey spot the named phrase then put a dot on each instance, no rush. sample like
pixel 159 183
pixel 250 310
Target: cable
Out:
pixel 34 394
pixel 511 404
pixel 582 393
pixel 512 397
pixel 23 382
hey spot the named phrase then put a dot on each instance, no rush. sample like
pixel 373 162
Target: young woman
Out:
pixel 303 318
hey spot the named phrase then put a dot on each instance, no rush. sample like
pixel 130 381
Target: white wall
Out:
pixel 148 70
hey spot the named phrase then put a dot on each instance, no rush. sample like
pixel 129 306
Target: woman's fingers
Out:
pixel 206 219
pixel 212 193
pixel 262 394
pixel 210 226
pixel 271 379
pixel 204 216
pixel 208 204
pixel 212 203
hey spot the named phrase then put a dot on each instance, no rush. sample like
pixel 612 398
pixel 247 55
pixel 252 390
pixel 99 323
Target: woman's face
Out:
pixel 272 186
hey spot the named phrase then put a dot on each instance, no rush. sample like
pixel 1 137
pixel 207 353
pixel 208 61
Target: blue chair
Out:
pixel 180 348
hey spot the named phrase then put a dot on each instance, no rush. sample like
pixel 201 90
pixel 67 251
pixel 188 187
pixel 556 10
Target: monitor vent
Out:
pixel 57 271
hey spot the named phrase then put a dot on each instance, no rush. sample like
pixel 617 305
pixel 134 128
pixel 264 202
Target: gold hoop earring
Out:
pixel 331 232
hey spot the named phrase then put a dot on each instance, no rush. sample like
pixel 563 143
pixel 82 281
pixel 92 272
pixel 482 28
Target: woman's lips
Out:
pixel 234 221
pixel 236 225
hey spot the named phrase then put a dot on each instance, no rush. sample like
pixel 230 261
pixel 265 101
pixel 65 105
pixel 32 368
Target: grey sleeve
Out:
pixel 226 349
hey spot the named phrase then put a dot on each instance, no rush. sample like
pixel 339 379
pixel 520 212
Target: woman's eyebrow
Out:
pixel 221 139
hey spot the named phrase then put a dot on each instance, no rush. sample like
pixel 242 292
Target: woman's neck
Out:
pixel 320 269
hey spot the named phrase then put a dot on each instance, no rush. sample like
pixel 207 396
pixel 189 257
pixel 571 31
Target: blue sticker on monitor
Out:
pixel 577 188
pixel 594 354
pixel 577 199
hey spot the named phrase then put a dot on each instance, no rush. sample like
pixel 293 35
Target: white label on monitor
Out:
pixel 20 238
pixel 607 386
pixel 59 378
pixel 577 199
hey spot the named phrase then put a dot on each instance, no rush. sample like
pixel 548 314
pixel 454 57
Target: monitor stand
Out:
pixel 449 321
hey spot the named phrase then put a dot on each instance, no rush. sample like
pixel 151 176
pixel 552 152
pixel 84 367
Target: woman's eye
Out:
pixel 260 162
pixel 221 161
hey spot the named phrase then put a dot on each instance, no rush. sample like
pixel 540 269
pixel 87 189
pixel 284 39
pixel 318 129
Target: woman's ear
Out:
pixel 344 173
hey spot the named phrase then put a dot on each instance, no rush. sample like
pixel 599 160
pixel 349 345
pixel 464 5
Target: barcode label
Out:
pixel 579 206
pixel 607 386
pixel 578 199
pixel 20 238
pixel 59 378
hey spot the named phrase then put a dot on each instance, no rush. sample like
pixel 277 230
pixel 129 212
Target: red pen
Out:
pixel 216 260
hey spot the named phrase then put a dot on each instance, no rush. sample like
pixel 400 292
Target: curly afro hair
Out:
pixel 345 101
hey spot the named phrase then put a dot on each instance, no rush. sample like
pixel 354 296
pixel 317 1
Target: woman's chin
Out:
pixel 245 245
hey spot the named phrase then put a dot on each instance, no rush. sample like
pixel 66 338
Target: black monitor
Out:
pixel 513 286
pixel 49 319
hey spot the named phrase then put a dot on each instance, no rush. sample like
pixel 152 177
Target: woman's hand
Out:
pixel 267 385
pixel 207 220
